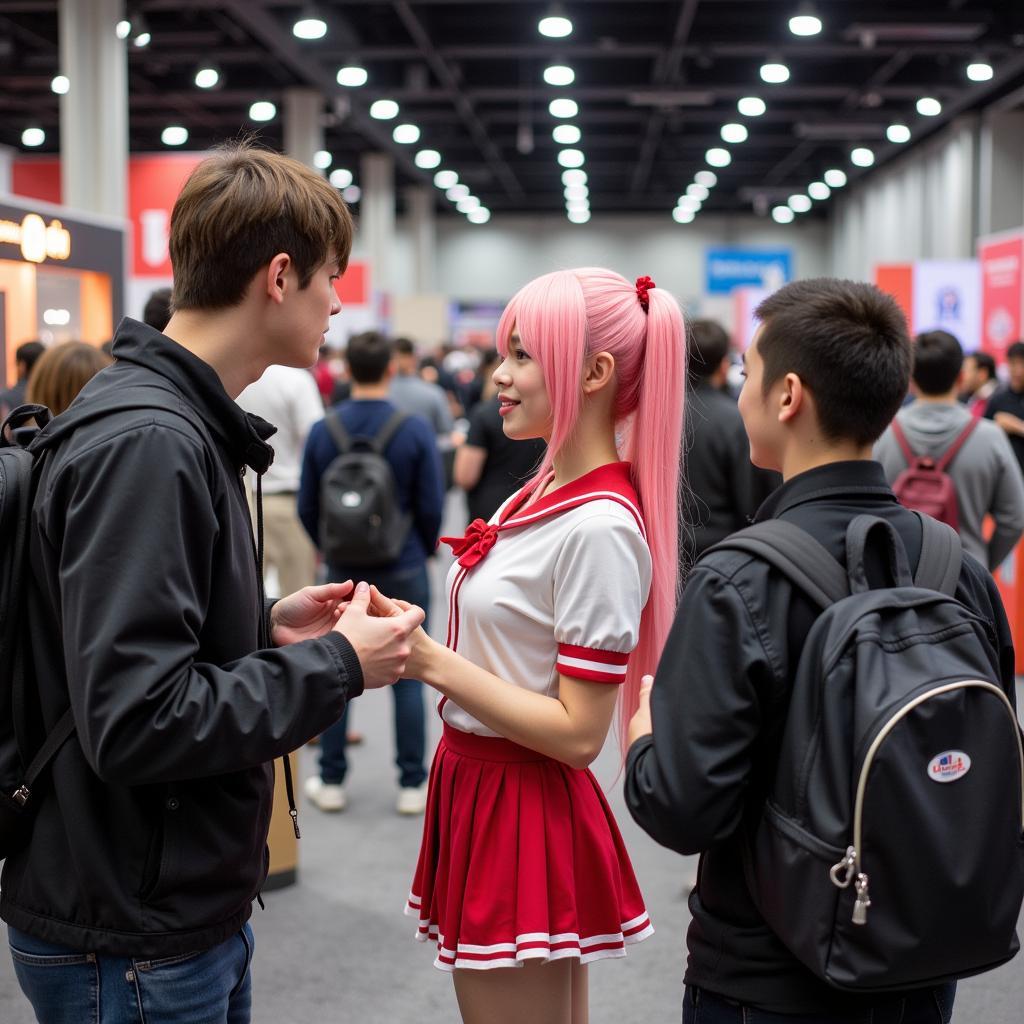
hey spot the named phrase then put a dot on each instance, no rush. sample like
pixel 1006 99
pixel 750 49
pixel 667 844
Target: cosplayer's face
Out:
pixel 524 404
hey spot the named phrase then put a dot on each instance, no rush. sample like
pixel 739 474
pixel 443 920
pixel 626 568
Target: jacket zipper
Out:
pixel 849 869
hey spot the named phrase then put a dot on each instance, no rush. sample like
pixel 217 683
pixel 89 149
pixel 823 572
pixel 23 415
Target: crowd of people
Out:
pixel 625 554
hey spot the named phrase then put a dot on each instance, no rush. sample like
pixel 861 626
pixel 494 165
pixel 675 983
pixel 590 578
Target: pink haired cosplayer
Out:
pixel 556 608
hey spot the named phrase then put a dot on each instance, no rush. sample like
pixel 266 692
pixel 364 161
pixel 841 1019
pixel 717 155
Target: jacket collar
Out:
pixel 243 434
pixel 855 478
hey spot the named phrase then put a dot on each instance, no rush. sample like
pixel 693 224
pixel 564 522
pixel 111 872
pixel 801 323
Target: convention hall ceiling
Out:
pixel 655 87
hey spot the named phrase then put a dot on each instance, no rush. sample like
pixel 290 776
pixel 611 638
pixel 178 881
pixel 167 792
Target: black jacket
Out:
pixel 718 706
pixel 722 488
pixel 145 607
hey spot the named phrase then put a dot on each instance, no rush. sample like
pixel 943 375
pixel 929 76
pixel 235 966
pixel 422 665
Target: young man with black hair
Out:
pixel 25 357
pixel 721 487
pixel 980 382
pixel 1006 407
pixel 826 372
pixel 416 466
pixel 145 611
pixel 985 474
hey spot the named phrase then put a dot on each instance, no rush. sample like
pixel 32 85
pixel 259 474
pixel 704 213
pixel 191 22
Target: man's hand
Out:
pixel 381 643
pixel 1010 423
pixel 308 613
pixel 640 723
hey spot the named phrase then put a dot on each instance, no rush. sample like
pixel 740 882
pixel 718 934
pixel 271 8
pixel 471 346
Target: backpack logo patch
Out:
pixel 949 766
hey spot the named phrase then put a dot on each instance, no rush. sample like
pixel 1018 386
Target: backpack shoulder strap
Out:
pixel 901 440
pixel 938 568
pixel 339 434
pixel 796 554
pixel 954 449
pixel 391 426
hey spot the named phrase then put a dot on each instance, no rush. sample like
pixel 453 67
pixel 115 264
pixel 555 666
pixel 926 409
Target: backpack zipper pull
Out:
pixel 863 900
pixel 842 873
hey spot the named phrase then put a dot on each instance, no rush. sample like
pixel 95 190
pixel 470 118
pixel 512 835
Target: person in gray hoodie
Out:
pixel 985 473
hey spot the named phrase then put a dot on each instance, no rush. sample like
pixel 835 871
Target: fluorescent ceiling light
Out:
pixel 174 135
pixel 734 133
pixel 60 85
pixel 818 190
pixel 576 176
pixel 774 72
pixel 689 203
pixel 805 22
pixel 566 134
pixel 340 177
pixel 207 77
pixel 262 110
pixel 406 134
pixel 706 178
pixel 123 29
pixel 980 71
pixel 579 216
pixel 928 106
pixel 696 191
pixel 799 203
pixel 683 216
pixel 479 216
pixel 576 191
pixel 445 179
pixel 352 194
pixel 718 157
pixel 468 204
pixel 457 192
pixel 427 159
pixel 555 26
pixel 782 214
pixel 897 133
pixel 322 159
pixel 384 110
pixel 352 76
pixel 751 106
pixel 571 158
pixel 33 137
pixel 559 74
pixel 835 178
pixel 563 107
pixel 862 156
pixel 310 26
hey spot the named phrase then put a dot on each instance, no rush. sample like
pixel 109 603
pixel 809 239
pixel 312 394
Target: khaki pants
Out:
pixel 286 545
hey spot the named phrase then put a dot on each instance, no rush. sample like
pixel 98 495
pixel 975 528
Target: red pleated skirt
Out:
pixel 521 859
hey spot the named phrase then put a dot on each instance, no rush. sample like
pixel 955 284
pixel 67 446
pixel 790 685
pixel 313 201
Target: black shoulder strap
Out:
pixel 941 559
pixel 796 554
pixel 337 430
pixel 388 431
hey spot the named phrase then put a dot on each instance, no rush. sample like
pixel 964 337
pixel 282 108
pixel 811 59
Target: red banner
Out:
pixel 153 186
pixel 1002 263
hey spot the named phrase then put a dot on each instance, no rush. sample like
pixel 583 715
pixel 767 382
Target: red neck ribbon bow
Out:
pixel 471 548
pixel 643 286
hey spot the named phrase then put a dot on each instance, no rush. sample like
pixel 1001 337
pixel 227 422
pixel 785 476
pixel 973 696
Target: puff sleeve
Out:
pixel 601 582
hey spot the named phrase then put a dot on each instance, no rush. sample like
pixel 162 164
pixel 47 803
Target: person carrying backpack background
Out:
pixel 375 510
pixel 826 372
pixel 983 472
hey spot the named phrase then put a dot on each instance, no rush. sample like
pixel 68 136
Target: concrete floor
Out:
pixel 336 949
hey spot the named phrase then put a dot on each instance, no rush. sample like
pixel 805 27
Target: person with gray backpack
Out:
pixel 371 496
pixel 832 724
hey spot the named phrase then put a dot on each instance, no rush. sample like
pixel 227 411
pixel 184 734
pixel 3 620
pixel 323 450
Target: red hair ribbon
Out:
pixel 478 540
pixel 643 286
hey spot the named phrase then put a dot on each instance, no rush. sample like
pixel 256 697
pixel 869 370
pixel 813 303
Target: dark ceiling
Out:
pixel 654 81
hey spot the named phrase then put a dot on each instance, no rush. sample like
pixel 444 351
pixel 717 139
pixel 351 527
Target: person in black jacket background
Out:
pixel 146 613
pixel 826 373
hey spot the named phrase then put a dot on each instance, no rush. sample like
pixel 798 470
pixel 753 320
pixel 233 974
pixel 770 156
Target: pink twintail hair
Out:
pixel 562 318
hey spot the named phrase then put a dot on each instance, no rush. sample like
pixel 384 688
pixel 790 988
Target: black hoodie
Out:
pixel 145 611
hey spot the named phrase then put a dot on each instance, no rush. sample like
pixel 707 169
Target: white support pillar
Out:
pixel 7 154
pixel 377 222
pixel 94 111
pixel 1001 185
pixel 419 203
pixel 303 125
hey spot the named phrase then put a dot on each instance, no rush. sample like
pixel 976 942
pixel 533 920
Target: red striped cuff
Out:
pixel 592 664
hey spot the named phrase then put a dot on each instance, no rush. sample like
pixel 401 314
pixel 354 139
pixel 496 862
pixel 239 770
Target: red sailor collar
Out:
pixel 611 481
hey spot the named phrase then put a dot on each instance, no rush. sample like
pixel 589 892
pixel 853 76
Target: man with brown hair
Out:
pixel 147 617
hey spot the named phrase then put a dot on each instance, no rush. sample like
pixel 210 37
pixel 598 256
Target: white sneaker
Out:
pixel 327 796
pixel 412 799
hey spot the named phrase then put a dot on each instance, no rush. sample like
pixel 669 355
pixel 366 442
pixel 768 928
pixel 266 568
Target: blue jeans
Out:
pixel 65 986
pixel 926 1006
pixel 410 713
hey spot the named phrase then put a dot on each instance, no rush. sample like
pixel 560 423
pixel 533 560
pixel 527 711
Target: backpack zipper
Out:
pixel 849 868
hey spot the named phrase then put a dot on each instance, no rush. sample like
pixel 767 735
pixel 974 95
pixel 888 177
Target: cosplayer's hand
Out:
pixel 382 643
pixel 640 723
pixel 308 613
pixel 421 643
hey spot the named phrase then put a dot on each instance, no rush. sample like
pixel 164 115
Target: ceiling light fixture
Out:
pixel 805 22
pixel 383 110
pixel 566 134
pixel 897 133
pixel 782 215
pixel 352 194
pixel 835 178
pixel 340 177
pixel 481 215
pixel 468 204
pixel 457 192
pixel 33 137
pixel 571 158
pixel 559 74
pixel 140 34
pixel 862 156
pixel 577 204
pixel 406 134
pixel 799 203
pixel 928 106
pixel 696 191
pixel 774 72
pixel 579 216
pixel 322 159
pixel 123 29
pixel 174 135
pixel 718 157
pixel 576 176
pixel 352 76
pixel 734 133
pixel 60 85
pixel 681 216
pixel 427 159
pixel 207 76
pixel 576 191
pixel 445 179
pixel 751 106
pixel 309 25
pixel 706 178
pixel 563 107
pixel 262 110
pixel 688 203
pixel 979 70
pixel 555 25
pixel 818 190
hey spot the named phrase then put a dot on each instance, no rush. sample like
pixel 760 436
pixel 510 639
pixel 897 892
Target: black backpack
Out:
pixel 361 520
pixel 890 852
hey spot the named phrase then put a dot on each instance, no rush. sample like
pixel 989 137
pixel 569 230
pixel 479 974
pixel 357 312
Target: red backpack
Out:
pixel 924 485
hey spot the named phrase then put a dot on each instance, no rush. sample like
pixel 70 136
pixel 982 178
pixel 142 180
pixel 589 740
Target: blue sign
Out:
pixel 726 269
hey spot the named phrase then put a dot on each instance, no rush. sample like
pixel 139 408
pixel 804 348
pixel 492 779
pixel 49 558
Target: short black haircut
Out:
pixel 938 359
pixel 368 355
pixel 27 354
pixel 984 362
pixel 707 344
pixel 404 347
pixel 157 312
pixel 1016 350
pixel 848 343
